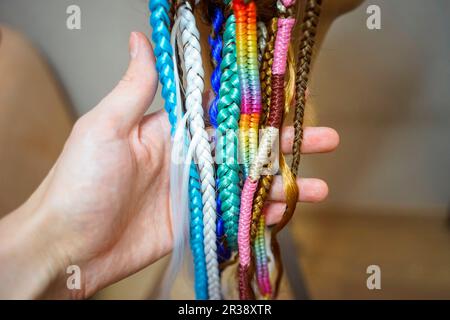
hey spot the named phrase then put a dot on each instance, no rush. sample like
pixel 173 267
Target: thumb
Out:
pixel 126 105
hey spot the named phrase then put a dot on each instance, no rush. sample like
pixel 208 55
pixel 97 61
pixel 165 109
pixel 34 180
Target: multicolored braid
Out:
pixel 228 124
pixel 253 78
pixel 260 248
pixel 193 92
pixel 215 43
pixel 247 60
pixel 309 29
pixel 257 230
pixel 270 136
pixel 241 58
pixel 266 86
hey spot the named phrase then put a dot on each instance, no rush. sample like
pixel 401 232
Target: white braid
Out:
pixel 178 187
pixel 193 92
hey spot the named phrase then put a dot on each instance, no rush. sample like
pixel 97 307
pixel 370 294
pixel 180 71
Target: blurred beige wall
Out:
pixel 385 91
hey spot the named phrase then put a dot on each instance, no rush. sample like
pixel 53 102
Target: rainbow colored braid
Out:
pixel 270 136
pixel 253 78
pixel 247 61
pixel 227 143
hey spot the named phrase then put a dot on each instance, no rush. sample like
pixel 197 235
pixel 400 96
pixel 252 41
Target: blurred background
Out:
pixel 385 91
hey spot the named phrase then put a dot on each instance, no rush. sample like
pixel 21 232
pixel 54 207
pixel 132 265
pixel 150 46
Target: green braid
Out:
pixel 227 144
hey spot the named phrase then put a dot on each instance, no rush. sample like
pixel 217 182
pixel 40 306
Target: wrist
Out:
pixel 32 262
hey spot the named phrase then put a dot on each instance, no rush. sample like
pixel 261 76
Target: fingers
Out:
pixel 310 190
pixel 315 140
pixel 273 212
pixel 128 102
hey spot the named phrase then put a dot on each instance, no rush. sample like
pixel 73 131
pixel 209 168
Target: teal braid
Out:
pixel 228 126
pixel 160 22
pixel 196 231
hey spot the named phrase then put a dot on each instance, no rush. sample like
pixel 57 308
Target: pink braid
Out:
pixel 281 45
pixel 245 220
pixel 287 3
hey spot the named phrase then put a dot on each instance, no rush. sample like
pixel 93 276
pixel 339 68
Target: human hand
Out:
pixel 105 205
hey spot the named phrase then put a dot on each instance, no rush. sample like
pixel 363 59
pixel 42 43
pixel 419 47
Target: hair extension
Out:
pixel 309 28
pixel 266 181
pixel 247 60
pixel 266 92
pixel 278 102
pixel 241 56
pixel 194 88
pixel 262 41
pixel 179 207
pixel 215 42
pixel 253 78
pixel 270 135
pixel 260 247
pixel 252 89
pixel 227 145
pixel 266 70
pixel 196 235
pixel 160 20
pixel 160 23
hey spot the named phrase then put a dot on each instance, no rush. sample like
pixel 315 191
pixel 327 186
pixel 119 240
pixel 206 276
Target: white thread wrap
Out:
pixel 269 138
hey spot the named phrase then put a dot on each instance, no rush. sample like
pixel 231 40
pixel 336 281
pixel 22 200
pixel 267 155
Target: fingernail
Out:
pixel 134 45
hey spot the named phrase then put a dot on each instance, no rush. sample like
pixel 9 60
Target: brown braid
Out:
pixel 309 28
pixel 266 92
pixel 258 203
pixel 266 71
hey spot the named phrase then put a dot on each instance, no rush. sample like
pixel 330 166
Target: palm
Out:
pixel 140 215
pixel 123 181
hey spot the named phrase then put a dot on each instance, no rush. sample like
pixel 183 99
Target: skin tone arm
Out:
pixel 104 206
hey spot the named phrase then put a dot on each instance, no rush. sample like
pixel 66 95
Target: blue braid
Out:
pixel 215 41
pixel 196 227
pixel 160 23
pixel 216 44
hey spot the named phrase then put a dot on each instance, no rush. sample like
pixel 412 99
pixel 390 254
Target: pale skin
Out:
pixel 104 205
